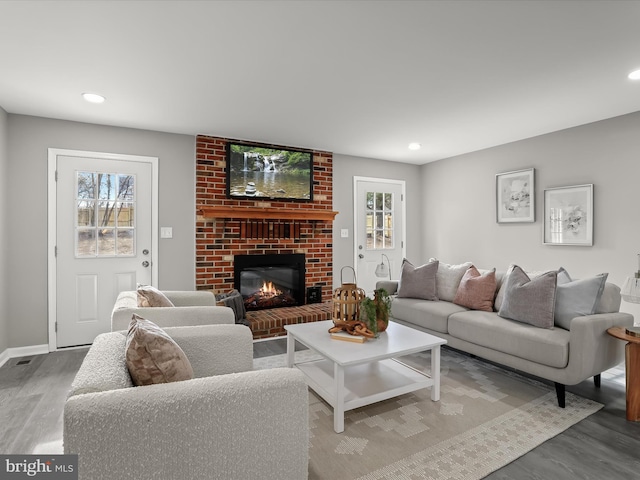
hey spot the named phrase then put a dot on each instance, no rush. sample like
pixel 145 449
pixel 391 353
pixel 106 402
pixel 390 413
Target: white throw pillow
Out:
pixel 448 279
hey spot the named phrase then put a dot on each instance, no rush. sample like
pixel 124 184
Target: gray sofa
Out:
pixel 227 423
pixel 191 308
pixel 565 357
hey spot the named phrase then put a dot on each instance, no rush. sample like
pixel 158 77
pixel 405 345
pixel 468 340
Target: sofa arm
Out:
pixel 190 298
pixel 215 349
pixel 592 349
pixel 173 316
pixel 391 286
pixel 230 427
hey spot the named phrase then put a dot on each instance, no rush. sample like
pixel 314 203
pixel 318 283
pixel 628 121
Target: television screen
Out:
pixel 269 173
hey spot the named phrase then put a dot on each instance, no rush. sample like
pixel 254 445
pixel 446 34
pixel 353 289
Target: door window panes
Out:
pixel 379 220
pixel 105 214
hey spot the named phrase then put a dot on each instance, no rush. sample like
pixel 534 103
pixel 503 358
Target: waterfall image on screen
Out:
pixel 273 173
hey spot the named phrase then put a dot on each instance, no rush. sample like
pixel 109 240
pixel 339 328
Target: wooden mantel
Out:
pixel 258 213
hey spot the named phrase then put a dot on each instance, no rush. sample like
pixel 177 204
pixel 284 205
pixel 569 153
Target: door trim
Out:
pixel 53 154
pixel 402 185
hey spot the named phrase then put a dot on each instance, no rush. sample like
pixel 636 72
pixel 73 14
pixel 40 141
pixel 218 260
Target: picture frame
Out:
pixel 568 215
pixel 515 196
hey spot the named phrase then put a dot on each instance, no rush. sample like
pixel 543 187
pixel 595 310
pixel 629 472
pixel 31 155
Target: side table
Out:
pixel 632 365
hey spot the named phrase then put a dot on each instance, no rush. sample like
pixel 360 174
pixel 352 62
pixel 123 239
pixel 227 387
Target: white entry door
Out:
pixel 379 228
pixel 104 241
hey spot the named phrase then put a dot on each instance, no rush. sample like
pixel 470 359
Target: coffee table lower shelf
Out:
pixel 362 384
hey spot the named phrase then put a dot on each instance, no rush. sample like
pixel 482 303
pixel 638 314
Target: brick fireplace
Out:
pixel 228 227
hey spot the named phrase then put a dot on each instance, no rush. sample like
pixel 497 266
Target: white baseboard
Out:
pixel 23 352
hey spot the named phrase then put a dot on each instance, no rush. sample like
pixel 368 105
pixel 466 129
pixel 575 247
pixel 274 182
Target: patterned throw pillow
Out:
pixel 153 356
pixel 530 300
pixel 149 296
pixel 476 290
pixel 418 282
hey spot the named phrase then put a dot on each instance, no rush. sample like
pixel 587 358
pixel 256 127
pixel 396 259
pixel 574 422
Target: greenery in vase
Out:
pixel 368 313
pixel 373 310
pixel 382 301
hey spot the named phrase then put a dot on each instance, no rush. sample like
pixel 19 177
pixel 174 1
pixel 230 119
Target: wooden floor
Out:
pixel 602 447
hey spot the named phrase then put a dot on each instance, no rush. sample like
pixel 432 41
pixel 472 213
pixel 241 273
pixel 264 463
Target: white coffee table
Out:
pixel 351 375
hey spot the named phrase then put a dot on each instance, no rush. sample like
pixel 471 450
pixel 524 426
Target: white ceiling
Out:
pixel 361 78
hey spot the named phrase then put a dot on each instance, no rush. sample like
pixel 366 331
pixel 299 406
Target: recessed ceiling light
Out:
pixel 415 146
pixel 93 97
pixel 635 75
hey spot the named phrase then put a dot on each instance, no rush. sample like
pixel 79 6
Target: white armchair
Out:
pixel 228 423
pixel 191 308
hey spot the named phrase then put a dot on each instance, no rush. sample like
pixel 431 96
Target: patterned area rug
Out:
pixel 486 418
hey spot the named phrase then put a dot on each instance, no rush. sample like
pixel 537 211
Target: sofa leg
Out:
pixel 596 380
pixel 560 394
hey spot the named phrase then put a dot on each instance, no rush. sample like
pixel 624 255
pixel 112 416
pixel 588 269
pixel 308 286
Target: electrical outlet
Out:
pixel 166 232
pixel 344 233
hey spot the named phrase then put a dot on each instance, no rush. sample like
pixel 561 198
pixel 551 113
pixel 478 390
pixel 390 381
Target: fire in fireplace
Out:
pixel 270 281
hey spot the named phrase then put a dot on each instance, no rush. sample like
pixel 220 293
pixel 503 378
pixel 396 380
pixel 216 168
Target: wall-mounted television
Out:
pixel 258 172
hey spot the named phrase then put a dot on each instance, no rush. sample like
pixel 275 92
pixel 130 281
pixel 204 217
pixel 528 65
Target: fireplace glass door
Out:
pixel 270 281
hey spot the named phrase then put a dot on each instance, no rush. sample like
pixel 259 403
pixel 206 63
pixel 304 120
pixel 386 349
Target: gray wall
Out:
pixel 4 249
pixel 344 169
pixel 459 202
pixel 450 206
pixel 28 140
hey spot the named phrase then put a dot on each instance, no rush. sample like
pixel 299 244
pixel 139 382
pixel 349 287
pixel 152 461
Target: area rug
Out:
pixel 486 418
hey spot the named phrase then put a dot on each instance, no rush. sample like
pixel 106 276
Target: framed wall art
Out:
pixel 515 196
pixel 568 215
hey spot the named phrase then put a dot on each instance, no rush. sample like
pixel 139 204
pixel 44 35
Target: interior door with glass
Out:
pixel 103 244
pixel 379 238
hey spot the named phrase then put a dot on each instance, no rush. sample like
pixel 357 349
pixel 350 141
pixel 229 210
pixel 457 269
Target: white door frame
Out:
pixel 403 185
pixel 52 222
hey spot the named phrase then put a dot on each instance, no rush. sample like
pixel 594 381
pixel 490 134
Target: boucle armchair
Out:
pixel 228 423
pixel 191 308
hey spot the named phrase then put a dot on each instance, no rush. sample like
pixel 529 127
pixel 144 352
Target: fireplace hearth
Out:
pixel 270 281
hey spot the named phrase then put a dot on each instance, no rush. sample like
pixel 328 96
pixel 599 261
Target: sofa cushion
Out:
pixel 430 315
pixel 540 345
pixel 418 282
pixel 530 300
pixel 152 355
pixel 448 279
pixel 149 296
pixel 476 291
pixel 575 298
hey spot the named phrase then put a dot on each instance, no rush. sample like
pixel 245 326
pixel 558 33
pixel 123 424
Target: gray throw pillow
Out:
pixel 498 301
pixel 418 282
pixel 530 301
pixel 575 298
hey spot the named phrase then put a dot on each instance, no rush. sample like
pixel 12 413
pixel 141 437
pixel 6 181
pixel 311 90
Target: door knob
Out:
pixel 145 264
pixel 361 256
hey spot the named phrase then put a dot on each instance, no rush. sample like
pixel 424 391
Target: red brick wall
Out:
pixel 218 240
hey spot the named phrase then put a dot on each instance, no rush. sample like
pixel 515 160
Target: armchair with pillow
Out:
pixel 169 308
pixel 215 419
